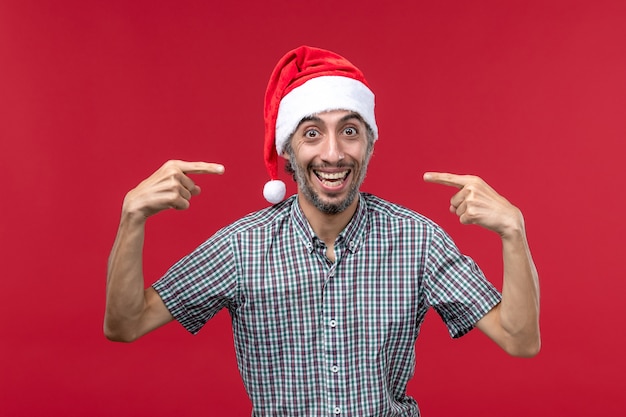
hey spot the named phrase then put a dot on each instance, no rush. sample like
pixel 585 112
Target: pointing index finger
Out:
pixel 200 167
pixel 444 178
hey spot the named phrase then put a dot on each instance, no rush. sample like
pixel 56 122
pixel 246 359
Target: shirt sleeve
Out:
pixel 200 284
pixel 456 287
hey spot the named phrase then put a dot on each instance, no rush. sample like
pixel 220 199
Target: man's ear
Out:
pixel 285 155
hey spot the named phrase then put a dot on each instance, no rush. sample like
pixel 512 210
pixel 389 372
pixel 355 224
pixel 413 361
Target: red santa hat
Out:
pixel 307 81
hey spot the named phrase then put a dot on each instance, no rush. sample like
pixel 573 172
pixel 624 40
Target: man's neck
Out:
pixel 327 226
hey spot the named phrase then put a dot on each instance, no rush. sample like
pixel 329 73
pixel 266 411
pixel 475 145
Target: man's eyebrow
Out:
pixel 305 119
pixel 352 115
pixel 314 118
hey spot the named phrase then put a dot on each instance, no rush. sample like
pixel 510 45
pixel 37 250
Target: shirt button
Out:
pixel 337 410
pixel 332 323
pixel 334 368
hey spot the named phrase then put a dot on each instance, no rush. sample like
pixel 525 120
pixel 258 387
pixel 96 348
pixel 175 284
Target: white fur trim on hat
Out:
pixel 322 94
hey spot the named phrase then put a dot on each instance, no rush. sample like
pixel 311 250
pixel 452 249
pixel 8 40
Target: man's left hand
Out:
pixel 477 203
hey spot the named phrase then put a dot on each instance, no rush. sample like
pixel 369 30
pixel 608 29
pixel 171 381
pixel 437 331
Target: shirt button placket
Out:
pixel 332 329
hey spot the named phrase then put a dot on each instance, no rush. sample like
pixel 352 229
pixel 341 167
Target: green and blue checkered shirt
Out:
pixel 321 338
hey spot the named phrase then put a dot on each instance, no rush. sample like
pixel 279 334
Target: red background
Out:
pixel 95 95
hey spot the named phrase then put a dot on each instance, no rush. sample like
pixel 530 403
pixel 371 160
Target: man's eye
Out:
pixel 311 134
pixel 349 131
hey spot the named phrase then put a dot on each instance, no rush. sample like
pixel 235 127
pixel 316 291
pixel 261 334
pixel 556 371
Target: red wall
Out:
pixel 94 96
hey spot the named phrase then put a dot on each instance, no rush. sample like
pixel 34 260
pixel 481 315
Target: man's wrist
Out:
pixel 515 228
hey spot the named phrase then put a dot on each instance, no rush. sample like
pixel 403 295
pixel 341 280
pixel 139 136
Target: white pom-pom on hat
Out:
pixel 274 191
pixel 311 81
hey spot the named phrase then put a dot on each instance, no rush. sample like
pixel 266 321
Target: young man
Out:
pixel 327 290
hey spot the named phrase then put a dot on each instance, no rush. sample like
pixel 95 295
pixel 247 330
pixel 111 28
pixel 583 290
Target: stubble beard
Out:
pixel 314 198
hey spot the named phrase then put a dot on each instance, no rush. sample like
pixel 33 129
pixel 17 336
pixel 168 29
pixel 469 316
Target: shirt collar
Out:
pixel 353 234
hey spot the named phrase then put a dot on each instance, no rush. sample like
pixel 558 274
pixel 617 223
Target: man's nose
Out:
pixel 332 151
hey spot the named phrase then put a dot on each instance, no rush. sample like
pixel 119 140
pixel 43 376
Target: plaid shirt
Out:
pixel 317 338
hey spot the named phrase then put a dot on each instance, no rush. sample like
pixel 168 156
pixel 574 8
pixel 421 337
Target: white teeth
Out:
pixel 330 183
pixel 331 175
pixel 332 179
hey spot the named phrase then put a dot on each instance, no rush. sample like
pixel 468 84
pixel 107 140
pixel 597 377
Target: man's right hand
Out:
pixel 132 311
pixel 169 187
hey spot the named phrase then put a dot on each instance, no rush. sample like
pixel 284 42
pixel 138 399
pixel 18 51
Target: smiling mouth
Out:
pixel 332 179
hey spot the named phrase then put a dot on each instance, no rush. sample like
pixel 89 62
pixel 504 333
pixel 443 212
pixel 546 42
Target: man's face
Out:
pixel 329 155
